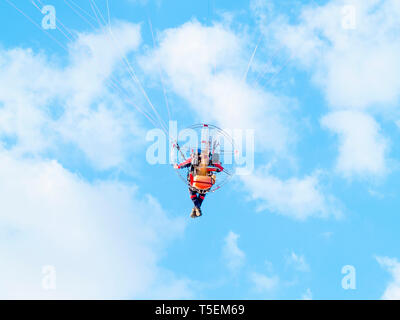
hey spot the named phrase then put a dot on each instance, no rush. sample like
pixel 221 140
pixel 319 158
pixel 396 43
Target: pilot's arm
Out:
pixel 184 164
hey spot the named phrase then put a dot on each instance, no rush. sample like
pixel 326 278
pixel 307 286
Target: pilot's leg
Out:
pixel 200 199
pixel 193 196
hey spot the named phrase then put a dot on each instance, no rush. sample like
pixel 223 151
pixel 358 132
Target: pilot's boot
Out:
pixel 193 213
pixel 198 212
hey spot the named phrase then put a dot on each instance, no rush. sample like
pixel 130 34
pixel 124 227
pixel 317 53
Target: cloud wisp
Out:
pixel 233 255
pixel 392 291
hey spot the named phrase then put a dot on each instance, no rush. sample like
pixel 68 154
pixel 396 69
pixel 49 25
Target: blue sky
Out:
pixel 321 94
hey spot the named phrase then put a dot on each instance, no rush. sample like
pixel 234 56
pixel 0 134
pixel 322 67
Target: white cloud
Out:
pixel 232 254
pixel 392 291
pixel 45 105
pixel 296 198
pixel 103 239
pixel 356 68
pixel 362 148
pixel 263 283
pixel 298 262
pixel 205 65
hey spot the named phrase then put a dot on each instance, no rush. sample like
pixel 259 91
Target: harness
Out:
pixel 200 182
